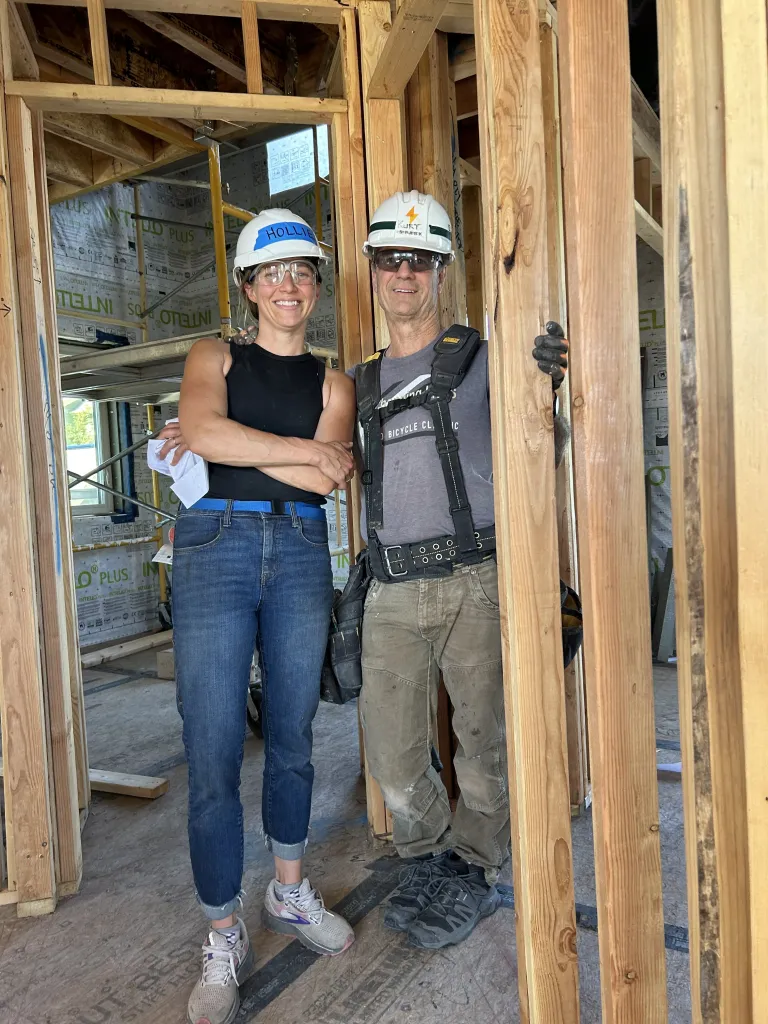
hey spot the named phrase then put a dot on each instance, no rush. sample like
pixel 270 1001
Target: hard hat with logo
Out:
pixel 411 220
pixel 274 235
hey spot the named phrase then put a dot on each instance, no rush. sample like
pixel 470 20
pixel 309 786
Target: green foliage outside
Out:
pixel 78 423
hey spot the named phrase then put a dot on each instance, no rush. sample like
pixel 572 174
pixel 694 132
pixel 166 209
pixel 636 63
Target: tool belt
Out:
pixel 428 558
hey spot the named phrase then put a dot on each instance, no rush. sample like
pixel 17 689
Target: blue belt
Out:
pixel 275 508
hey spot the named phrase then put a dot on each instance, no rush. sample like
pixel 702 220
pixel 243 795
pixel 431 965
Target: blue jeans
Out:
pixel 240 578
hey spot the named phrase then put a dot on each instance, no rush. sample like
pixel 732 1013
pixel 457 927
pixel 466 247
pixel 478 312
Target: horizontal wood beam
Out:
pixel 413 27
pixel 173 132
pixel 646 129
pixel 144 786
pixel 192 40
pixel 104 134
pixel 324 12
pixel 648 229
pixel 118 100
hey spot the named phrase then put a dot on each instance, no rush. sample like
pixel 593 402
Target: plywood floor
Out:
pixel 126 948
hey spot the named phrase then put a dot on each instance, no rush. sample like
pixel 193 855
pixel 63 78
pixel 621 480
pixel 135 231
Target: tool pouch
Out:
pixel 342 675
pixel 573 630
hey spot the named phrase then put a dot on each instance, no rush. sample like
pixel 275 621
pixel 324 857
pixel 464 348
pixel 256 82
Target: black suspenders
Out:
pixel 454 353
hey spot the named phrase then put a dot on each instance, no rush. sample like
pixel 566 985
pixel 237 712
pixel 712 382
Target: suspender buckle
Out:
pixel 367 478
pixel 400 559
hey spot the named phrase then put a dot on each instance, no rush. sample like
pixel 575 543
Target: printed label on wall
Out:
pixel 116 592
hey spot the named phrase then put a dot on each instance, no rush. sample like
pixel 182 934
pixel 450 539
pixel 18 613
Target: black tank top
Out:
pixel 281 395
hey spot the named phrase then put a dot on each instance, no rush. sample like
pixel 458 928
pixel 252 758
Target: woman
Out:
pixel 251 566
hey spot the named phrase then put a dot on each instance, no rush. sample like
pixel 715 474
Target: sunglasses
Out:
pixel 417 259
pixel 274 273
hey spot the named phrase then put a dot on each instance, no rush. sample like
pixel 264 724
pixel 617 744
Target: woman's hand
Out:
pixel 334 459
pixel 174 442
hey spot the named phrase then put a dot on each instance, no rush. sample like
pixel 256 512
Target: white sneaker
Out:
pixel 215 999
pixel 302 914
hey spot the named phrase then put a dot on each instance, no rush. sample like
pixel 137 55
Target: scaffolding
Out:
pixel 151 370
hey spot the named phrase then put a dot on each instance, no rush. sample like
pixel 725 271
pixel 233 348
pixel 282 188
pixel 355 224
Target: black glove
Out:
pixel 551 352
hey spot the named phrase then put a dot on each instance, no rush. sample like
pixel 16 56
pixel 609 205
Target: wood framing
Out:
pixel 104 134
pixel 472 221
pixel 412 32
pixel 97 23
pixel 575 699
pixel 350 67
pixel 144 786
pixel 58 439
pixel 745 78
pixel 178 32
pixel 27 801
pixel 609 475
pixel 385 145
pixel 47 467
pixel 514 182
pixel 118 100
pixel 323 12
pixel 430 156
pixel 715 144
pixel 251 47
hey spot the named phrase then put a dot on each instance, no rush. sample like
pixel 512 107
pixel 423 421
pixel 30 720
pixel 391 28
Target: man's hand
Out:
pixel 334 459
pixel 551 353
pixel 174 439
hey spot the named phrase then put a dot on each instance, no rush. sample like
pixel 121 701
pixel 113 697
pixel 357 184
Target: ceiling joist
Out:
pixel 103 134
pixel 185 35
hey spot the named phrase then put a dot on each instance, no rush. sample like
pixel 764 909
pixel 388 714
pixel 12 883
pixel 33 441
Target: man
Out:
pixel 433 606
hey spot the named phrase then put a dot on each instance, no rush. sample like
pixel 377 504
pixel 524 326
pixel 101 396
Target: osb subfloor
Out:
pixel 126 948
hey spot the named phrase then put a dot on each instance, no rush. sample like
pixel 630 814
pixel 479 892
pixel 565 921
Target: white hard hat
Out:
pixel 274 235
pixel 411 220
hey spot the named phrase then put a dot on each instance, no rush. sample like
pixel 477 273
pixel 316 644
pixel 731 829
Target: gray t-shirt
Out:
pixel 415 498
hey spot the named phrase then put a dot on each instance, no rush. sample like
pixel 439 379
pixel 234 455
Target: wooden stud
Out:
pixel 514 197
pixel 473 256
pixel 252 48
pixel 575 699
pixel 59 447
pixel 430 151
pixel 119 100
pixel 385 146
pixel 745 79
pixel 27 801
pixel 709 277
pixel 97 23
pixel 350 349
pixel 411 33
pixel 41 389
pixel 351 77
pixel 609 474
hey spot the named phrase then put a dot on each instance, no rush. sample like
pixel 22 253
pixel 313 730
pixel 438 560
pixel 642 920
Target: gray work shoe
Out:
pixel 303 915
pixel 215 998
pixel 456 907
pixel 418 886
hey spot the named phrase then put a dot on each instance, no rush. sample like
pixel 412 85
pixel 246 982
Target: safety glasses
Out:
pixel 274 273
pixel 418 260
